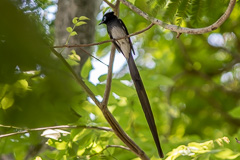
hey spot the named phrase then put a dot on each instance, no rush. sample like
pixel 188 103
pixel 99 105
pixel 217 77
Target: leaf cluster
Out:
pixel 196 13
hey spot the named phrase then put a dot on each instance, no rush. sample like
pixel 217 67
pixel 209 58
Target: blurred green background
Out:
pixel 192 82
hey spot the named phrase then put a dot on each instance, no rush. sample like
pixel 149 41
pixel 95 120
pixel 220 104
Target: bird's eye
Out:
pixel 104 18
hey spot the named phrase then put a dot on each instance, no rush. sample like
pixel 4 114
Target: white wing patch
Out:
pixel 122 43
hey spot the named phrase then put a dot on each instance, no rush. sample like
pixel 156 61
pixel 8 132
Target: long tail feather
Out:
pixel 142 95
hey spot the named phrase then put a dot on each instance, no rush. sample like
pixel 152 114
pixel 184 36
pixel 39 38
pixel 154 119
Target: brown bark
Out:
pixel 67 10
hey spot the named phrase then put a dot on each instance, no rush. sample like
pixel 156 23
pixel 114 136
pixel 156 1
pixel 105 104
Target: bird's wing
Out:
pixel 117 31
pixel 125 29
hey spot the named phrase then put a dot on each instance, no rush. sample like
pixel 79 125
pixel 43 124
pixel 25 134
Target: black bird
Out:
pixel 117 29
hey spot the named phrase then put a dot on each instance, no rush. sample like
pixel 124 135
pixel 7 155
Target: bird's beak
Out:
pixel 100 23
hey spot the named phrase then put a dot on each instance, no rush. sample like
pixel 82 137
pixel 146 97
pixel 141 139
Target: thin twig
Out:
pixel 116 8
pixel 92 56
pixel 10 127
pixel 99 43
pixel 51 127
pixel 118 146
pixel 178 29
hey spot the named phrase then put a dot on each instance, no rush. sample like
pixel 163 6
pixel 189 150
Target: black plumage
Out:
pixel 117 29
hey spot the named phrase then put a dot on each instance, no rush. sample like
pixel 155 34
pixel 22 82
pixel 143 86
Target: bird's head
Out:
pixel 107 18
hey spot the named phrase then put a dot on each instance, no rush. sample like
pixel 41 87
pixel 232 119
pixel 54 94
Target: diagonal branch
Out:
pixel 115 7
pixel 123 135
pixel 107 114
pixel 79 80
pixel 178 29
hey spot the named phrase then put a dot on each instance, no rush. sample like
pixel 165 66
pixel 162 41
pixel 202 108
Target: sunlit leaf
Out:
pixel 80 23
pixel 74 56
pixel 75 20
pixel 86 69
pixel 227 154
pixel 7 101
pixel 73 33
pixel 61 145
pixel 83 18
pixel 69 29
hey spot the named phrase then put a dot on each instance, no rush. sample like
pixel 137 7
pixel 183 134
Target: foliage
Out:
pixel 77 21
pixel 192 82
pixel 179 12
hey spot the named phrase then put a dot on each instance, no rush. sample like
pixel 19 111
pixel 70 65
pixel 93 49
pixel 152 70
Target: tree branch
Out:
pixel 118 146
pixel 98 43
pixel 109 78
pixel 116 8
pixel 178 29
pixel 51 127
pixel 110 4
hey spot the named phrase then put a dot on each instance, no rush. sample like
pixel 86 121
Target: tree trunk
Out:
pixel 67 10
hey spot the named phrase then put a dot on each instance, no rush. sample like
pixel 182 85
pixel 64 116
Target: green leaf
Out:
pixel 86 68
pixel 83 136
pixel 3 90
pixel 75 20
pixel 182 11
pixel 235 113
pixel 7 101
pixel 132 1
pixel 21 86
pixel 80 23
pixel 74 56
pixel 72 62
pixel 197 11
pixel 69 29
pixel 73 33
pixel 83 18
pixel 92 87
pixel 161 3
pixel 121 89
pixel 61 145
pixel 102 78
pixel 227 154
pixel 171 10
